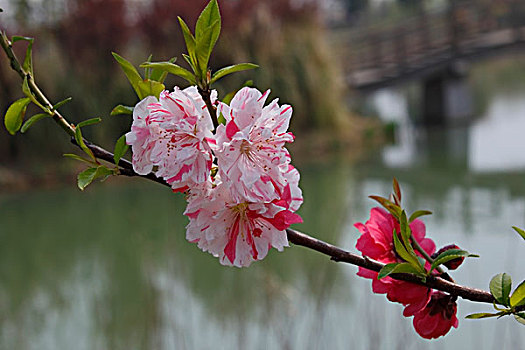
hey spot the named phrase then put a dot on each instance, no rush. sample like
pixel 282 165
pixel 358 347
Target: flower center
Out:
pixel 245 147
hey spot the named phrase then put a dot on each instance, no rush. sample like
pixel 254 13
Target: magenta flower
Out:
pixel 172 135
pixel 376 242
pixel 438 317
pixel 250 147
pixel 236 232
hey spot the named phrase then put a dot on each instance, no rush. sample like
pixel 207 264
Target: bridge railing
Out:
pixel 419 40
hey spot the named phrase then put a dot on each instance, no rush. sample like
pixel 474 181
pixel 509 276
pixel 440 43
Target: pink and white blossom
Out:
pixel 172 135
pixel 238 233
pixel 250 147
pixel 140 137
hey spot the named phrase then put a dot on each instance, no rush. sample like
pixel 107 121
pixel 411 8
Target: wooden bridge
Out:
pixel 431 42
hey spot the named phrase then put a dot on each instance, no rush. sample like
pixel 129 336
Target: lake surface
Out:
pixel 109 268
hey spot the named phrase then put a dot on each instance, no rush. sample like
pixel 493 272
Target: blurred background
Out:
pixel 429 91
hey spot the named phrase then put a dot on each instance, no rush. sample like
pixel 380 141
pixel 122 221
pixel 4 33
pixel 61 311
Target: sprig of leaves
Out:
pixel 500 288
pixel 199 47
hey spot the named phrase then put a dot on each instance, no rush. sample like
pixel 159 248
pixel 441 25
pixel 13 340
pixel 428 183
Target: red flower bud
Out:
pixel 452 264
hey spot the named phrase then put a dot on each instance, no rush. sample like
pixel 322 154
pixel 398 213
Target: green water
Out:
pixel 110 268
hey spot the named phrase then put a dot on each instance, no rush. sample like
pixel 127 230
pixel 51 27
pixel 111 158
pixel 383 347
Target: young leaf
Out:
pixel 519 231
pixel 398 268
pixel 33 120
pixel 405 232
pixel 207 18
pixel 397 191
pixel 77 157
pixel 151 88
pixel 173 69
pixel 120 149
pixel 120 109
pixel 89 122
pixel 418 213
pixel 231 69
pixel 520 317
pixel 404 254
pixel 159 74
pixel 500 286
pixel 85 178
pixel 388 205
pixel 61 103
pixel 190 62
pixel 80 139
pixel 131 73
pixel 205 44
pixel 518 296
pixel 28 93
pixel 188 38
pixel 27 66
pixel 15 115
pixel 484 315
pixel 450 254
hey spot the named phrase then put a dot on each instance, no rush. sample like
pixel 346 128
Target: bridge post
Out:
pixel 447 99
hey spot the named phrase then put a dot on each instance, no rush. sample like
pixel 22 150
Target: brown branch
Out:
pixel 340 255
pixel 206 96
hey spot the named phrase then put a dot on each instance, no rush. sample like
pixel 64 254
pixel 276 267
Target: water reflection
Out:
pixel 110 269
pixel 492 143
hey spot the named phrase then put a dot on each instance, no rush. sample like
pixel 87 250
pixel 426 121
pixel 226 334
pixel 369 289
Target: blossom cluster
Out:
pixel 242 190
pixel 434 312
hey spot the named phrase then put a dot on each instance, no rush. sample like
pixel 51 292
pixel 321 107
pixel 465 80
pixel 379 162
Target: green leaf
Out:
pixel 15 115
pixel 406 232
pixel 485 315
pixel 397 191
pixel 404 254
pixel 87 176
pixel 80 139
pixel 450 254
pixel 221 119
pixel 519 231
pixel 61 103
pixel 28 93
pixel 89 122
pixel 77 157
pixel 231 69
pixel 518 296
pixel 121 109
pixel 418 213
pixel 33 120
pixel 120 149
pixel 398 268
pixel 190 62
pixel 151 88
pixel 520 317
pixel 159 74
pixel 173 69
pixel 133 76
pixel 189 39
pixel 500 286
pixel 207 18
pixel 205 44
pixel 147 71
pixel 388 205
pixel 27 66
